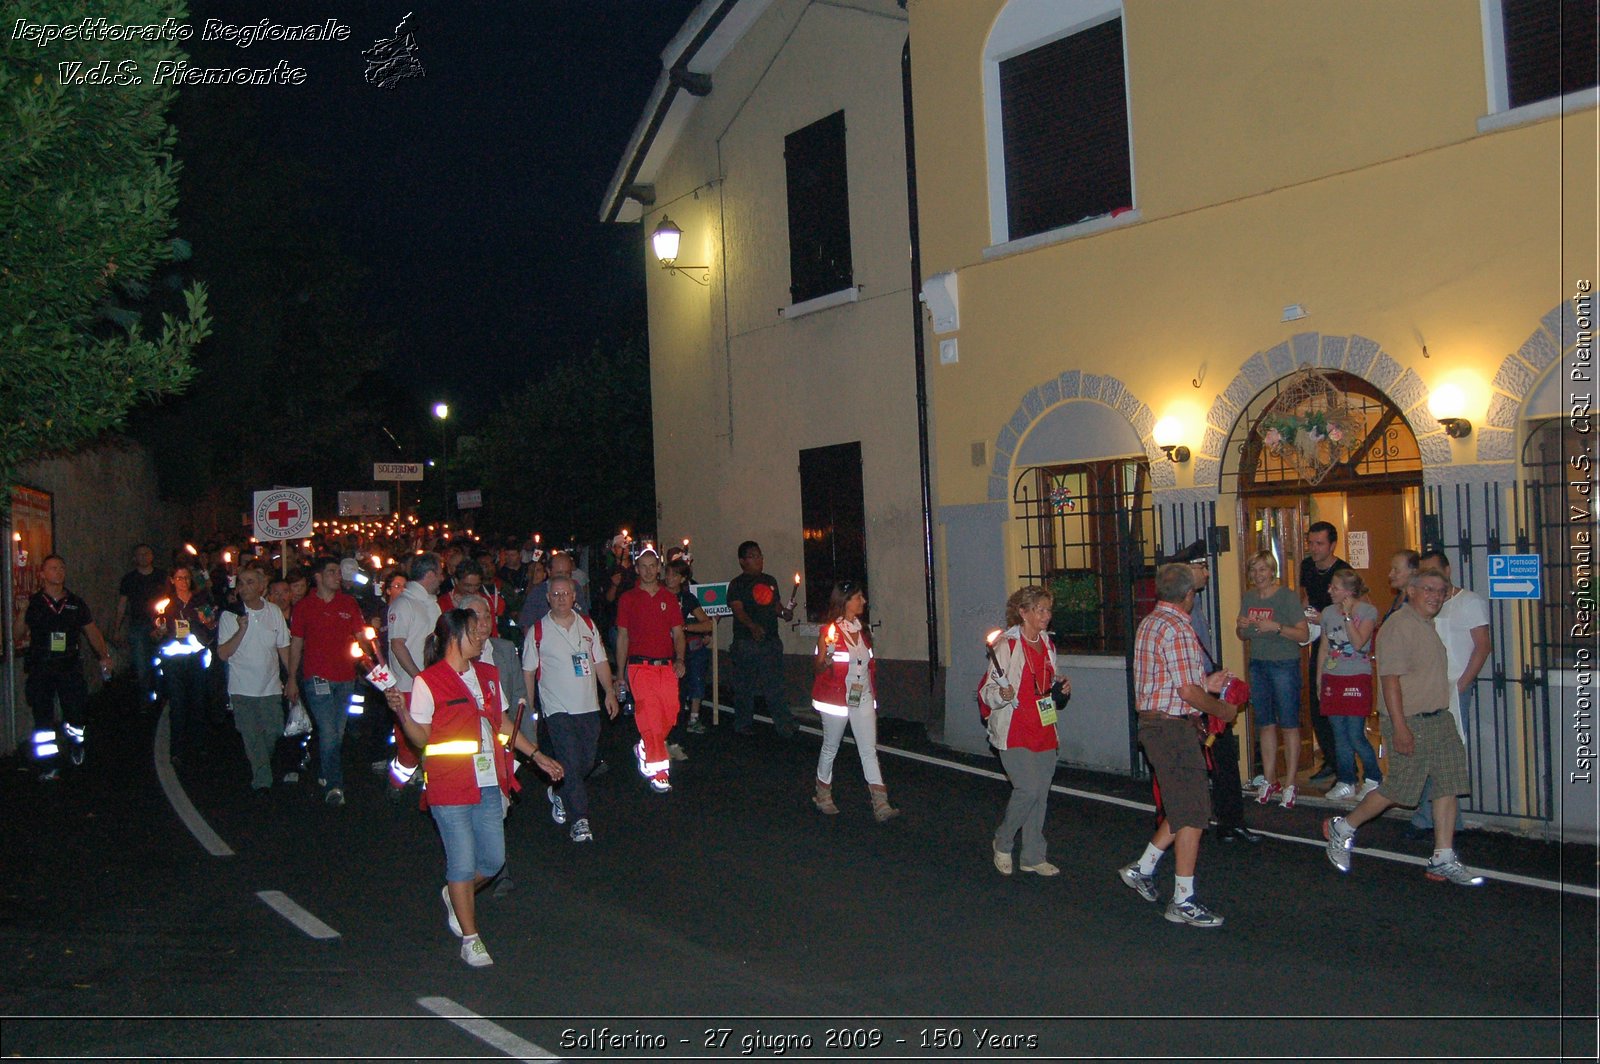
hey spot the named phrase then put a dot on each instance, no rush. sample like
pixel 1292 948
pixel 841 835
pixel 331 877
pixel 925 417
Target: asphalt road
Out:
pixel 730 919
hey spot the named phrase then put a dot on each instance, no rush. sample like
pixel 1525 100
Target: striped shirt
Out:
pixel 1166 657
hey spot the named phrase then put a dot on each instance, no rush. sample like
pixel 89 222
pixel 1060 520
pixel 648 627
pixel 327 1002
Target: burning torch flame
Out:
pixel 988 648
pixel 190 548
pixel 161 607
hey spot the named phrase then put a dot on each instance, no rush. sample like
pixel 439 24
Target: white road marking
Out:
pixel 177 797
pixel 299 917
pixel 487 1031
pixel 1147 807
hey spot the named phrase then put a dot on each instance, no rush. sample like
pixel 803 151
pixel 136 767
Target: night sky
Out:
pixel 468 197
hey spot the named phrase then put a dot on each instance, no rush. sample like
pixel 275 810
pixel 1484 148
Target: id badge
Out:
pixel 483 768
pixel 1047 710
pixel 853 697
pixel 320 687
pixel 58 642
pixel 180 627
pixel 581 665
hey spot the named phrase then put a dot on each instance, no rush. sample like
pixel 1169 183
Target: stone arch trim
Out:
pixel 1064 388
pixel 1518 376
pixel 1353 354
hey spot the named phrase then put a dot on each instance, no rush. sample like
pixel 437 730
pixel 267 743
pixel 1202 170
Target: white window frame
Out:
pixel 1501 115
pixel 1022 26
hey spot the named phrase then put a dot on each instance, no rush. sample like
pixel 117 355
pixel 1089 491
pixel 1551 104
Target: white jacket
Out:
pixel 1009 654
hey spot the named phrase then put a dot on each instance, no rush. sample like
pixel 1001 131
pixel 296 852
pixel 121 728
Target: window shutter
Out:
pixel 1550 48
pixel 819 209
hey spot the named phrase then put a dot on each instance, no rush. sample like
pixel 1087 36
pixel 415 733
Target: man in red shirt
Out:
pixel 323 627
pixel 650 645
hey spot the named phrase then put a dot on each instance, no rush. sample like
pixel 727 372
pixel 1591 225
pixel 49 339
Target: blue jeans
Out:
pixel 474 836
pixel 1275 693
pixel 696 677
pixel 1350 740
pixel 758 670
pixel 330 712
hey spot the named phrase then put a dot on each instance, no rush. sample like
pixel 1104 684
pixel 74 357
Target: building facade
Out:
pixel 1286 238
pixel 783 345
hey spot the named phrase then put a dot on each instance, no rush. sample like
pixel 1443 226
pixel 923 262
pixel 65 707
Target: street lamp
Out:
pixel 442 412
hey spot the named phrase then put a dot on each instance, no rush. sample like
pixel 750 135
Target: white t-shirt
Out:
pixel 567 658
pixel 412 618
pixel 1455 621
pixel 253 668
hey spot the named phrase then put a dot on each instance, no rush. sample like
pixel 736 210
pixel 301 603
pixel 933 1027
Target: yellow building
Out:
pixel 1238 224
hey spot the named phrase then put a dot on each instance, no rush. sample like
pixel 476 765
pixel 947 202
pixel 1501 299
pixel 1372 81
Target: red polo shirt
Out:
pixel 328 629
pixel 649 620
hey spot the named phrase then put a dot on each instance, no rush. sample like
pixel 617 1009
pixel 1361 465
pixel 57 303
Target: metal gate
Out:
pixel 1507 712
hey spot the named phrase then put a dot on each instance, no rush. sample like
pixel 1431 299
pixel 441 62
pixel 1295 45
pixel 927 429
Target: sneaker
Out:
pixel 335 796
pixel 581 832
pixel 638 754
pixel 50 775
pixel 1043 868
pixel 660 783
pixel 1452 871
pixel 504 885
pixel 1342 792
pixel 75 752
pixel 1341 840
pixel 475 953
pixel 1002 862
pixel 291 777
pixel 696 727
pixel 1145 885
pixel 1367 788
pixel 450 910
pixel 1192 913
pixel 1259 782
pixel 1286 799
pixel 676 753
pixel 1267 792
pixel 558 808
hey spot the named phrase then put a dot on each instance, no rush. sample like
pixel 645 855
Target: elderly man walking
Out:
pixel 1419 732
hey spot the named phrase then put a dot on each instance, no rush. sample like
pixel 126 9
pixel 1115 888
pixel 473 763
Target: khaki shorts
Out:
pixel 1173 747
pixel 1438 753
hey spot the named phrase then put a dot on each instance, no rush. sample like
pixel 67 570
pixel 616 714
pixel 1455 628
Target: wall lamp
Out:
pixel 1166 433
pixel 1446 404
pixel 665 241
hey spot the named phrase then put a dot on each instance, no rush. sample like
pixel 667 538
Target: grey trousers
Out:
pixel 260 723
pixel 1031 772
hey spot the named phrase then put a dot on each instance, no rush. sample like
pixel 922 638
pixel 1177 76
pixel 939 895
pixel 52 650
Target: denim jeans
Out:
pixel 330 712
pixel 184 677
pixel 1350 740
pixel 1275 693
pixel 474 836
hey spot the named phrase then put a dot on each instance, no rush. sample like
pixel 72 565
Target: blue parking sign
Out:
pixel 1515 576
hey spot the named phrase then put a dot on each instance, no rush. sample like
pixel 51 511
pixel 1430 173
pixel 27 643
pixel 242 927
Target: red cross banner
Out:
pixel 283 513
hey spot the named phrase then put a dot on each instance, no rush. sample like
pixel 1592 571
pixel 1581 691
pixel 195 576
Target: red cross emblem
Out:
pixel 283 514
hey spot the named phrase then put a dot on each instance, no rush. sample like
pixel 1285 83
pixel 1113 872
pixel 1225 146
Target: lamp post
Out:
pixel 442 412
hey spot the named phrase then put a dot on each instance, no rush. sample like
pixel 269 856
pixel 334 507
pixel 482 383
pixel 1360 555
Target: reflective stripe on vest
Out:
pixel 454 746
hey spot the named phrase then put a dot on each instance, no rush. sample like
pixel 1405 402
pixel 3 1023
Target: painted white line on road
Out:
pixel 177 797
pixel 290 911
pixel 487 1031
pixel 1147 807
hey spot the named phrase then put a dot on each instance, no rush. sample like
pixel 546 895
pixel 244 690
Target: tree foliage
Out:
pixel 88 187
pixel 570 455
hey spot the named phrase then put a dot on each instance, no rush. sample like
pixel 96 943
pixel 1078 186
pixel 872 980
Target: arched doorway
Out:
pixel 1324 445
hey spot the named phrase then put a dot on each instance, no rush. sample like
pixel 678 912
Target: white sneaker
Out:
pixel 1367 788
pixel 1256 784
pixel 1341 792
pixel 676 752
pixel 1286 799
pixel 475 953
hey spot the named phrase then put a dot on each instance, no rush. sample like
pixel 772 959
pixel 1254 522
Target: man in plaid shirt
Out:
pixel 1170 688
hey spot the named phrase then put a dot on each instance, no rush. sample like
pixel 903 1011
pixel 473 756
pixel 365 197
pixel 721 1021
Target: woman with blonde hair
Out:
pixel 1346 698
pixel 1273 624
pixel 1019 698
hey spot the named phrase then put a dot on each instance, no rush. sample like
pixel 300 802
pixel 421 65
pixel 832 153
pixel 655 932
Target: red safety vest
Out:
pixel 456 735
pixel 829 686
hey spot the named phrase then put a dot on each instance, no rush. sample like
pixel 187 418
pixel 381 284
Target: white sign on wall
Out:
pixel 1360 553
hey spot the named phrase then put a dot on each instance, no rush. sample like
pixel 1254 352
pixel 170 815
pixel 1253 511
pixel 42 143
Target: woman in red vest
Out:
pixel 846 692
pixel 457 716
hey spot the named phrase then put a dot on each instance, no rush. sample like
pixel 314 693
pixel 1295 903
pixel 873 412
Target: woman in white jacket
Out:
pixel 1022 725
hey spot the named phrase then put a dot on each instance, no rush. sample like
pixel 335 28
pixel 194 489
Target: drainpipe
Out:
pixel 924 474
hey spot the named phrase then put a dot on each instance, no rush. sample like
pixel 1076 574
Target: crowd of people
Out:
pixel 479 652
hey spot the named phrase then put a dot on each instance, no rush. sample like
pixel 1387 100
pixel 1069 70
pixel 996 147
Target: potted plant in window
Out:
pixel 1077 605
